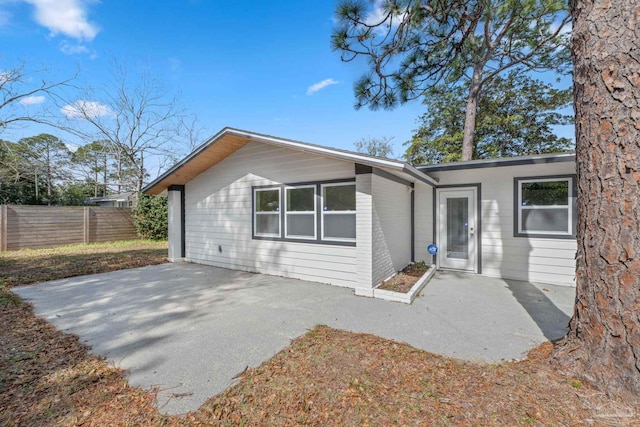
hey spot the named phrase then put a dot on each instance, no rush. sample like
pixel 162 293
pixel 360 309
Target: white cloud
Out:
pixel 175 65
pixel 378 14
pixel 32 100
pixel 68 17
pixel 5 18
pixel 82 108
pixel 73 49
pixel 321 85
pixel 77 49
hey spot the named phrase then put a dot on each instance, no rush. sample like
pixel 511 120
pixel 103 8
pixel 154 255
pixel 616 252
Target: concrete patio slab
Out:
pixel 188 329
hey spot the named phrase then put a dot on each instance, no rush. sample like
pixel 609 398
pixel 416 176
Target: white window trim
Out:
pixel 256 213
pixel 568 207
pixel 334 239
pixel 315 213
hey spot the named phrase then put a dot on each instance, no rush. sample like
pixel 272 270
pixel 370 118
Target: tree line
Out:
pixel 131 127
pixel 517 116
pixel 43 170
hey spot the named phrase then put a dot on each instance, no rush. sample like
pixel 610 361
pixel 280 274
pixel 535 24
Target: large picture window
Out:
pixel 545 207
pixel 267 212
pixel 339 212
pixel 316 212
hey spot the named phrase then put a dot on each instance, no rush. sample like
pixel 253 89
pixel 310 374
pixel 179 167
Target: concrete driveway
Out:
pixel 188 329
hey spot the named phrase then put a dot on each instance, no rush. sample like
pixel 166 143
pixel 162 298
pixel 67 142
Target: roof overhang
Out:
pixel 228 140
pixel 500 162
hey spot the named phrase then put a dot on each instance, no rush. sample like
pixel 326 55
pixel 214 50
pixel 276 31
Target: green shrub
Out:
pixel 150 217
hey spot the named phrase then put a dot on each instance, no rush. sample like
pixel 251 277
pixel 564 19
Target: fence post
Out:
pixel 3 228
pixel 86 225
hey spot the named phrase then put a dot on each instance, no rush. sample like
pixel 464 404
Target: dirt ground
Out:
pixel 406 278
pixel 326 377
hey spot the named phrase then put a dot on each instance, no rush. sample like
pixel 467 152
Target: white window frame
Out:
pixel 287 213
pixel 568 207
pixel 335 184
pixel 256 213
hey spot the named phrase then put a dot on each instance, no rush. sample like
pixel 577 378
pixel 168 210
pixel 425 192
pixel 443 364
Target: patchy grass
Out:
pixel 28 266
pixel 326 377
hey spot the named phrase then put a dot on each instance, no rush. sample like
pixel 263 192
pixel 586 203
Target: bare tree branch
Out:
pixel 20 88
pixel 135 115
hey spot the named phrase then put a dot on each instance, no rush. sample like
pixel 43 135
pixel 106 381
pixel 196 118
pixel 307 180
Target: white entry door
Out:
pixel 457 235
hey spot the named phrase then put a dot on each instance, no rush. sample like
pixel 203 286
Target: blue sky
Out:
pixel 250 65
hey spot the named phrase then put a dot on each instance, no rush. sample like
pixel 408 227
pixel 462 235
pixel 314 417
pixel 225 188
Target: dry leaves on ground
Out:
pixel 326 377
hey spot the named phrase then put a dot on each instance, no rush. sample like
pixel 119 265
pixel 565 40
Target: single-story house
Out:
pixel 259 203
pixel 120 200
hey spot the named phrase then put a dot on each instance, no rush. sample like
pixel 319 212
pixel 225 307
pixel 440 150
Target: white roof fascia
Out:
pixel 301 146
pixel 501 161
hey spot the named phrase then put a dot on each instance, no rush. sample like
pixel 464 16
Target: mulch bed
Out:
pixel 406 278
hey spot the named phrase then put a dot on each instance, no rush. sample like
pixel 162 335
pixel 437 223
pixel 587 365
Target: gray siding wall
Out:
pixel 364 226
pixel 503 255
pixel 219 216
pixel 423 221
pixel 391 227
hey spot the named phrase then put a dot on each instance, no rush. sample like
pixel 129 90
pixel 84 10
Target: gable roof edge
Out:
pixel 395 165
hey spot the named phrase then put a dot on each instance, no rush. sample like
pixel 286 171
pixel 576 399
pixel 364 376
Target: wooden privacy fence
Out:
pixel 45 226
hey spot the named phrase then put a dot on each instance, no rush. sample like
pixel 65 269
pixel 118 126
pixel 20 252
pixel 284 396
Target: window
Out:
pixel 310 212
pixel 339 212
pixel 267 212
pixel 545 207
pixel 300 215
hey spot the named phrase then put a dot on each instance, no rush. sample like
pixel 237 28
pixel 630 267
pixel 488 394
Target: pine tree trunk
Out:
pixel 470 114
pixel 603 342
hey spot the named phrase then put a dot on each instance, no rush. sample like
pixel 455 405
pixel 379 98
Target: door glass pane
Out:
pixel 457 225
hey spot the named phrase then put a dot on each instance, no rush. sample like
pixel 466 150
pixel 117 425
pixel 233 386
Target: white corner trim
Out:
pixel 364 292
